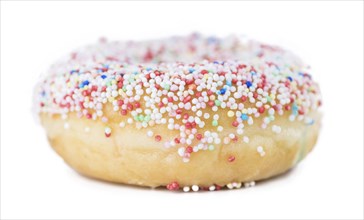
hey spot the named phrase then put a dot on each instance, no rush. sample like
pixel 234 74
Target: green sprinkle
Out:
pixel 147 118
pixel 166 87
pixel 215 123
pixel 217 102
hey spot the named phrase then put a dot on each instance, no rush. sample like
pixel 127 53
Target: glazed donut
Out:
pixel 186 113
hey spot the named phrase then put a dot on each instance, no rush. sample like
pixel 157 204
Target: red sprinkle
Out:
pixel 120 102
pixel 231 158
pixel 235 123
pixel 187 99
pixel 261 110
pixel 189 149
pixel 124 111
pixel 173 186
pixel 243 98
pixel 204 72
pixel 158 138
pixel 88 116
pixel 108 135
pixel 199 136
pixel 137 104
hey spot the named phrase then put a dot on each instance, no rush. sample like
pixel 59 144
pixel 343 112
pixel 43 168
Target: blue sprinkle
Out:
pixel 73 71
pixel 289 78
pixel 191 70
pixel 222 91
pixel 301 74
pixel 244 117
pixel 103 76
pixel 228 83
pixel 216 62
pixel 43 93
pixel 248 84
pixel 148 69
pixel 84 83
pixel 252 73
pixel 294 109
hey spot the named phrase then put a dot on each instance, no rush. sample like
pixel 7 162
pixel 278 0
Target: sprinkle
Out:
pixel 195 188
pixel 214 123
pixel 230 114
pixel 186 189
pixel 150 133
pixel 217 102
pixel 173 186
pixel 248 84
pixel 107 131
pixel 244 117
pixel 246 139
pixel 261 151
pixel 231 158
pixel 158 138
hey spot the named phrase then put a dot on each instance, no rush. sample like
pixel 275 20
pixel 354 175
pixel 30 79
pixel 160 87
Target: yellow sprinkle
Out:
pixel 244 111
pixel 273 96
pixel 212 97
pixel 230 114
pixel 247 90
pixel 87 99
pixel 113 82
pixel 111 99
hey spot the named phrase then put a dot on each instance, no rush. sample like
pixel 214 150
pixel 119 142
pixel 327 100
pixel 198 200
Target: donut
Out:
pixel 186 113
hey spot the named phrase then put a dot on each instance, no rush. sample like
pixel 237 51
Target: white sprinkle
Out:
pixel 195 188
pixel 260 149
pixel 107 130
pixel 186 189
pixel 130 120
pixel 246 139
pixel 150 133
pixel 66 125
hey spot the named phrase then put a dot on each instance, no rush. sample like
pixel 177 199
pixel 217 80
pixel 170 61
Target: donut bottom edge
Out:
pixel 124 159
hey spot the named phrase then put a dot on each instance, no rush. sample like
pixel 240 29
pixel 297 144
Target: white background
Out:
pixel 36 183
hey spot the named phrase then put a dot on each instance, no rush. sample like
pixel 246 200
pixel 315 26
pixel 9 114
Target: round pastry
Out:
pixel 186 113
